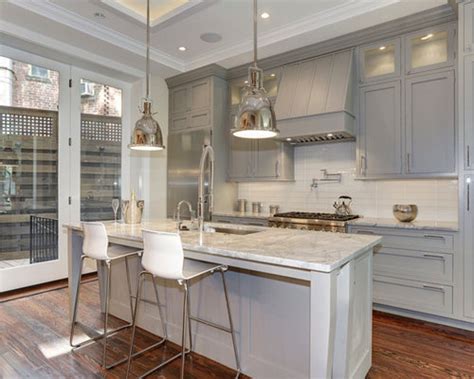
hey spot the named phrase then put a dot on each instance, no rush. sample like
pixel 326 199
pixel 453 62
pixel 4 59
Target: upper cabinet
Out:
pixel 190 105
pixel 270 83
pixel 430 124
pixel 468 21
pixel 379 61
pixel 430 49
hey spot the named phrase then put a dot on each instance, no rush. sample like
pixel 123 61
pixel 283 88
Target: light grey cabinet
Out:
pixel 380 133
pixel 468 218
pixel 466 11
pixel 468 107
pixel 430 124
pixel 190 105
pixel 415 269
pixel 430 49
pixel 380 61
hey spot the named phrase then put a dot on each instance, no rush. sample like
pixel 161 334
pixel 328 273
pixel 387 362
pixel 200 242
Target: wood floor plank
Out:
pixel 34 343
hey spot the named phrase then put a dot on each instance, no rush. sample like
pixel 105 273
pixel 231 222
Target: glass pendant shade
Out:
pixel 147 135
pixel 256 117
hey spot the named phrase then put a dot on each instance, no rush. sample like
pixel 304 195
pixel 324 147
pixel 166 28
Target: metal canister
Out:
pixel 256 207
pixel 273 209
pixel 241 205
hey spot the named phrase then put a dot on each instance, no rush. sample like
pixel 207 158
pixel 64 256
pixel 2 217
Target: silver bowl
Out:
pixel 405 212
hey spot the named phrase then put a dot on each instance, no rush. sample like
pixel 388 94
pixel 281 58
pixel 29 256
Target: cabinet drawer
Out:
pixel 415 265
pixel 179 122
pixel 199 119
pixel 416 296
pixel 411 239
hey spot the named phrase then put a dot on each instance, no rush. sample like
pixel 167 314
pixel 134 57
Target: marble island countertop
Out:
pixel 309 250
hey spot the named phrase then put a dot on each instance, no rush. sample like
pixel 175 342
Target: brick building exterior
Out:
pixel 38 88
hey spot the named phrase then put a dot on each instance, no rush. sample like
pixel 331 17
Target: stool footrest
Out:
pixel 169 360
pixel 99 336
pixel 137 353
pixel 209 323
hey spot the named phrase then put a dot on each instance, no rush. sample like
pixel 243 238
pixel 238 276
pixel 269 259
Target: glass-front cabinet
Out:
pixel 380 60
pixel 271 80
pixel 430 49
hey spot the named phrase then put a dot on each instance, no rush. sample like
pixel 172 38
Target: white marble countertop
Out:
pixel 449 226
pixel 263 215
pixel 309 250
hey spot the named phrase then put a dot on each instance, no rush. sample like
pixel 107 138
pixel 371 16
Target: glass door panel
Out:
pixel 101 146
pixel 380 61
pixel 29 105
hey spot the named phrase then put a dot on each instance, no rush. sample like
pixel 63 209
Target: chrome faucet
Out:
pixel 178 212
pixel 207 153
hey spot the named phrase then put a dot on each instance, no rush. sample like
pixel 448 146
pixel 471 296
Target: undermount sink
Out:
pixel 224 230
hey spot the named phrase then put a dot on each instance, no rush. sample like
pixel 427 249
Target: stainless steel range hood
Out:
pixel 314 102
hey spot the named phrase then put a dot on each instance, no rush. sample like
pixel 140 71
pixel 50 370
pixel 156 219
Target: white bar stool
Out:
pixel 96 246
pixel 163 257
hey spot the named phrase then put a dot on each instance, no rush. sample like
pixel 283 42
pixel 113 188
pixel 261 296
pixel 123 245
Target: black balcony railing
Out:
pixel 43 239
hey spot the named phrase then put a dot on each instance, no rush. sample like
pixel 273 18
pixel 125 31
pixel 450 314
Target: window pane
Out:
pixel 101 145
pixel 28 165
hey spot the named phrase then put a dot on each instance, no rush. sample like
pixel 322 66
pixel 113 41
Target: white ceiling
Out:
pixel 117 41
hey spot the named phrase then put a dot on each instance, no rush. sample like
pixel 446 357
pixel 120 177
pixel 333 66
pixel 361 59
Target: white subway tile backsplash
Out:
pixel 436 199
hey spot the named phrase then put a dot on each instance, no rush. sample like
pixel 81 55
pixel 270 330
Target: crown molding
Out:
pixel 435 16
pixel 56 13
pixel 308 24
pixel 199 73
pixel 8 28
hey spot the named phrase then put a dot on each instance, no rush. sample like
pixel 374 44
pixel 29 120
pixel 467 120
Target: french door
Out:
pixel 34 169
pixel 63 158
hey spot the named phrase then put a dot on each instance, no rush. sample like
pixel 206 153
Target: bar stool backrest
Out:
pixel 163 254
pixel 96 241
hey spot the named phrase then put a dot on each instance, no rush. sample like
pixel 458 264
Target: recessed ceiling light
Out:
pixel 99 15
pixel 181 48
pixel 428 36
pixel 382 47
pixel 265 15
pixel 211 37
pixel 272 75
pixel 330 135
pixel 288 139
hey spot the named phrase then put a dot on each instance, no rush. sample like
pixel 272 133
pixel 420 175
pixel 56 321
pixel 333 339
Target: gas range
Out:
pixel 329 222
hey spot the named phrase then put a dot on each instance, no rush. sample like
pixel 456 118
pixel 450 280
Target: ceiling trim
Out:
pixel 184 8
pixel 82 24
pixel 436 16
pixel 305 25
pixel 14 30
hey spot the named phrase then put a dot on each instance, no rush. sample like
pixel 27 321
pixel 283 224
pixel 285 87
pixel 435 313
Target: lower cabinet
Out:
pixel 414 269
pixel 468 215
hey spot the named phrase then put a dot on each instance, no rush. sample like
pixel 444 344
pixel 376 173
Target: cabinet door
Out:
pixel 467 12
pixel 268 154
pixel 430 49
pixel 379 61
pixel 469 112
pixel 200 94
pixel 430 124
pixel 468 245
pixel 380 130
pixel 179 99
pixel 241 154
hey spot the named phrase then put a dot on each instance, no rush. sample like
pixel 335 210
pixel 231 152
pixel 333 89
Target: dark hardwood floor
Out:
pixel 34 343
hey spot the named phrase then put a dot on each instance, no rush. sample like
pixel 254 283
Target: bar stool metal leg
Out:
pixel 127 271
pixel 189 320
pixel 160 311
pixel 74 312
pixel 106 316
pixel 231 324
pixel 184 331
pixel 134 324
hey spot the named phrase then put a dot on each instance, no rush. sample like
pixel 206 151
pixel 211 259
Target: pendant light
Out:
pixel 147 135
pixel 255 118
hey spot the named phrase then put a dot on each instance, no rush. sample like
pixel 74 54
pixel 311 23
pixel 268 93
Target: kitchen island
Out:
pixel 301 300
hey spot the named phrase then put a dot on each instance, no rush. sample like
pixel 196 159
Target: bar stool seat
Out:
pixel 163 257
pixel 96 247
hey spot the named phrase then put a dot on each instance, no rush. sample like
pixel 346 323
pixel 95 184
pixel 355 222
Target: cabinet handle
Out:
pixel 468 156
pixel 365 232
pixel 434 256
pixel 277 169
pixel 408 162
pixel 363 165
pixel 433 288
pixel 434 236
pixel 468 196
